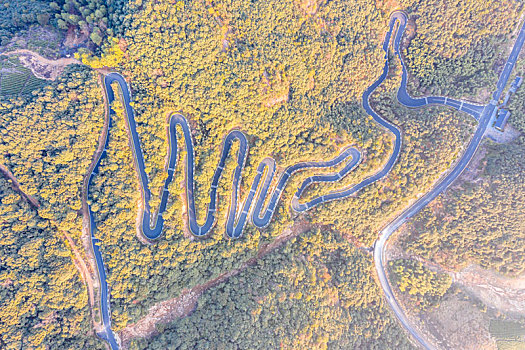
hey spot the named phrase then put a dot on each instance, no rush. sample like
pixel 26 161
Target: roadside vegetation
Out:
pixel 43 303
pixel 481 219
pixel 421 286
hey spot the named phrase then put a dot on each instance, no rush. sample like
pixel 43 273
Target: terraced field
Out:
pixel 508 335
pixel 15 79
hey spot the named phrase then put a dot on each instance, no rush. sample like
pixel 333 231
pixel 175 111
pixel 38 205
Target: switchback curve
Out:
pixel 260 217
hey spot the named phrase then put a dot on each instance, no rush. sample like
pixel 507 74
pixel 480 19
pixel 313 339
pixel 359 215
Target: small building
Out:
pixel 516 84
pixel 501 120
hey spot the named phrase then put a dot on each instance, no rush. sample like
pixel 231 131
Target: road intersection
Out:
pixel 484 118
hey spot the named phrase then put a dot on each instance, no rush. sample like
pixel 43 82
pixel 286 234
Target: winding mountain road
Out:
pixel 252 208
pixel 484 116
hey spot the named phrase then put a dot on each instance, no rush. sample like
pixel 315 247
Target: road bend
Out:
pixel 484 119
pixel 252 209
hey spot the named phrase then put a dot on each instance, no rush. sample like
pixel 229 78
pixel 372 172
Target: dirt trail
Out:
pixel 42 67
pixel 16 186
pixel 77 259
pixel 182 306
pixel 82 267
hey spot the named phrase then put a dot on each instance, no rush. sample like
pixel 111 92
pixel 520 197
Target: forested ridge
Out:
pixel 316 292
pixel 290 75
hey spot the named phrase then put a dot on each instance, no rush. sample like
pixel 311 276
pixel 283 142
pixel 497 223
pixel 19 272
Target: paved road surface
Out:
pixel 152 223
pixel 484 119
pixel 236 221
pixel 105 312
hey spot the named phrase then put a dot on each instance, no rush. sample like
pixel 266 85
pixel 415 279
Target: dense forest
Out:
pixel 93 18
pixel 43 304
pixel 17 16
pixel 47 142
pixel 15 79
pixel 97 20
pixel 316 292
pixel 290 75
pixel 457 43
pixel 292 110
